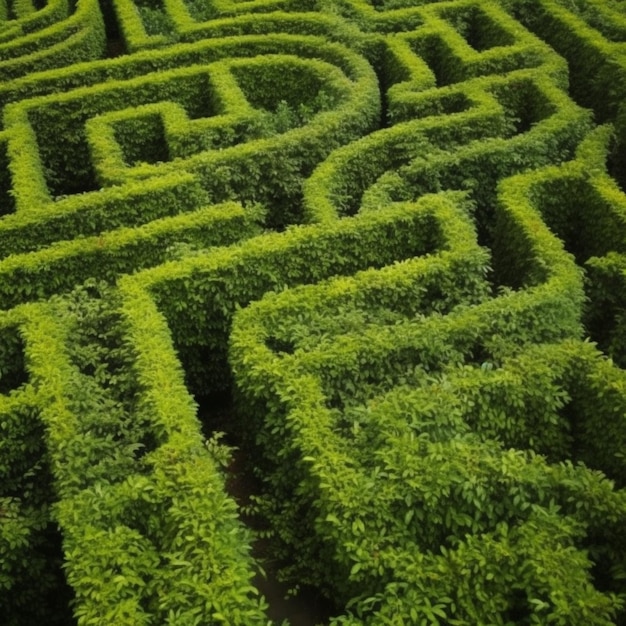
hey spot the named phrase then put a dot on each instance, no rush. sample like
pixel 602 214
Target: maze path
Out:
pixel 405 346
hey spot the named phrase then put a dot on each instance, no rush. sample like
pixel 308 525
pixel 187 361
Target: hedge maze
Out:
pixel 390 233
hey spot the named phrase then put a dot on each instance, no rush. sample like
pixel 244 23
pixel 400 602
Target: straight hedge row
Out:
pixel 149 533
pixel 29 568
pixel 60 266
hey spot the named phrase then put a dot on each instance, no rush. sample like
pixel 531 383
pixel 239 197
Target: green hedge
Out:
pixel 285 131
pixel 143 25
pixel 131 206
pixel 54 39
pixel 436 443
pixel 595 62
pixel 522 122
pixel 31 580
pixel 418 517
pixel 197 120
pixel 586 209
pixel 302 24
pixel 27 20
pixel 59 267
pixel 223 280
pixel 157 23
pixel 149 534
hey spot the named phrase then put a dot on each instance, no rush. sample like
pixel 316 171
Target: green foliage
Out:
pixel 53 37
pixel 596 66
pixel 131 158
pixel 30 559
pixel 226 279
pixel 399 443
pixel 148 530
pixel 393 421
pixel 434 441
